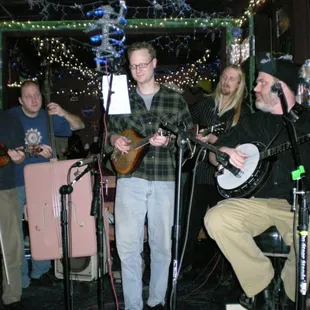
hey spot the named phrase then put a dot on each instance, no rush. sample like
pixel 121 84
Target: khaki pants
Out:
pixel 234 222
pixel 10 231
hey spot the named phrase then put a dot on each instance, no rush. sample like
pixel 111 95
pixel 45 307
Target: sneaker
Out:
pixel 15 305
pixel 47 279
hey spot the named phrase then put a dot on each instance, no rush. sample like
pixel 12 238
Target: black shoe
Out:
pixel 262 301
pixel 247 302
pixel 285 302
pixel 15 305
pixel 47 279
pixel 265 299
pixel 158 307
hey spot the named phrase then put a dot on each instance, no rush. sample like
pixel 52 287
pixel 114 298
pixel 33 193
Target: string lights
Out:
pixel 189 74
pixel 168 15
pixel 253 5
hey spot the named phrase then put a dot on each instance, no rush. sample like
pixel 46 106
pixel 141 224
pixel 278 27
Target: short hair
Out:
pixel 141 45
pixel 27 83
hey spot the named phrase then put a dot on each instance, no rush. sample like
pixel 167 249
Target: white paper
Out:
pixel 119 103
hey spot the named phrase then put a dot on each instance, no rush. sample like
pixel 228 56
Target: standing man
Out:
pixel 36 132
pixel 233 223
pixel 11 137
pixel 223 110
pixel 150 189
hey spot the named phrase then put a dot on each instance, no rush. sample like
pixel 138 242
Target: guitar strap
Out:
pixel 293 115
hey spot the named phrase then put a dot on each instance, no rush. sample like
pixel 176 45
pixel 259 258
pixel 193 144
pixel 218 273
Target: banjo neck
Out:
pixel 283 147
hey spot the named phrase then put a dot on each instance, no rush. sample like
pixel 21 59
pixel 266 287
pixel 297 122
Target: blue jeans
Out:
pixel 38 268
pixel 136 198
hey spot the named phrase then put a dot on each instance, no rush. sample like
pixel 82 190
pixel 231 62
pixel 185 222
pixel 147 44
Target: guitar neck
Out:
pixel 283 147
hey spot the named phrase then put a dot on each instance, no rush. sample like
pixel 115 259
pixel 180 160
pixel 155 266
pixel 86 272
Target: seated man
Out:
pixel 234 222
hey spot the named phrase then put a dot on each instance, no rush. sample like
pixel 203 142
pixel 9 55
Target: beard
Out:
pixel 266 104
pixel 225 90
pixel 260 105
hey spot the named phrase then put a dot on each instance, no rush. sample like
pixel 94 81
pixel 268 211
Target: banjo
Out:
pixel 256 169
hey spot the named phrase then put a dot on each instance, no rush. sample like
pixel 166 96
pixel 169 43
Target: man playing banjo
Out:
pixel 234 222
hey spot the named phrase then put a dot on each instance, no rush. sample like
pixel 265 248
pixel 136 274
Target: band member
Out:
pixel 222 110
pixel 150 189
pixel 11 137
pixel 234 222
pixel 35 123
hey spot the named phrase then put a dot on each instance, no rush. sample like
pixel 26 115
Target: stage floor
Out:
pixel 210 286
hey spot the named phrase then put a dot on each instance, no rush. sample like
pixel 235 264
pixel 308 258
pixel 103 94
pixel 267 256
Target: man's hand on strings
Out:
pixel 121 143
pixel 46 151
pixel 236 158
pixel 210 138
pixel 159 140
pixel 17 155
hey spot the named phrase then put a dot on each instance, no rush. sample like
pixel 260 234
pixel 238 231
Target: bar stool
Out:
pixel 272 245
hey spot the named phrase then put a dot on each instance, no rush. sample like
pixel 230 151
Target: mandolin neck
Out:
pixel 141 143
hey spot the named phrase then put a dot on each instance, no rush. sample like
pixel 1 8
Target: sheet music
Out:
pixel 120 98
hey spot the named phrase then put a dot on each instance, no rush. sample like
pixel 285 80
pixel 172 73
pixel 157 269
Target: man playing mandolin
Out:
pixel 12 140
pixel 233 223
pixel 37 132
pixel 149 189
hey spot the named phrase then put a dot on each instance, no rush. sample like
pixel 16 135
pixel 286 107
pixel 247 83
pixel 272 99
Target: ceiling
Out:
pixel 71 9
pixel 175 47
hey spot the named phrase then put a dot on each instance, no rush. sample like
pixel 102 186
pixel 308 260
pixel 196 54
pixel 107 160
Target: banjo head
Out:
pixel 229 181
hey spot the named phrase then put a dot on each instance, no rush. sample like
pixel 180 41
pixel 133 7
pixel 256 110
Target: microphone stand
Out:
pixel 302 190
pixel 97 208
pixel 67 190
pixel 183 138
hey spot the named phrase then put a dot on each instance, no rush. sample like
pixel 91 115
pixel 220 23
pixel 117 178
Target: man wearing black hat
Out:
pixel 233 223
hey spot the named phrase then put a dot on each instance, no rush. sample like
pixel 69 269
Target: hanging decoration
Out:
pixel 112 36
pixel 233 50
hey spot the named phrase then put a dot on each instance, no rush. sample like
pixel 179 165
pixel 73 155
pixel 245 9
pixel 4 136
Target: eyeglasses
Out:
pixel 140 66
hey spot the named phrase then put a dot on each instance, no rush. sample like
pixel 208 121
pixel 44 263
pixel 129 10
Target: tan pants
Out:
pixel 10 231
pixel 234 222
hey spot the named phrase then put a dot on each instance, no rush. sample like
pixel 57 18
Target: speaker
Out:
pixel 82 268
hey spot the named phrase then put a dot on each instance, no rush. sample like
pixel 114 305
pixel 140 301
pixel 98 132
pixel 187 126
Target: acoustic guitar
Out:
pixel 139 146
pixel 31 150
pixel 191 151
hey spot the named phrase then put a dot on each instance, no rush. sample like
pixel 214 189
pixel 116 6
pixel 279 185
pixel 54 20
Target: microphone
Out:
pixel 223 159
pixel 88 168
pixel 276 88
pixel 234 170
pixel 85 161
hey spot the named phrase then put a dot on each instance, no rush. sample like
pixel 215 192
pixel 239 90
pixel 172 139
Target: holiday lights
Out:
pixel 112 37
pixel 253 4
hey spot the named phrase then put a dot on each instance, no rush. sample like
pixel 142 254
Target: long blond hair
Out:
pixel 235 100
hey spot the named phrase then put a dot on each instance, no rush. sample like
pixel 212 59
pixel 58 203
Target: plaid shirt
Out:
pixel 168 106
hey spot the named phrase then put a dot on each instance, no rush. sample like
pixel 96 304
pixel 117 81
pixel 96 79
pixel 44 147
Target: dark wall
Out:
pixel 301 30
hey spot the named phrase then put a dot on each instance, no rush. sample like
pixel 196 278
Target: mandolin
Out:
pixel 31 150
pixel 139 146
